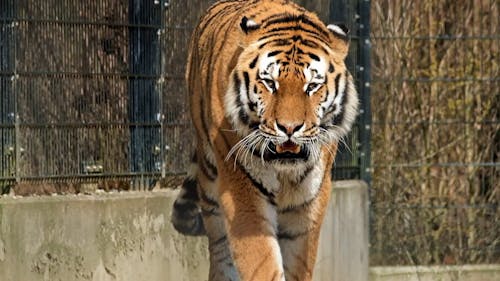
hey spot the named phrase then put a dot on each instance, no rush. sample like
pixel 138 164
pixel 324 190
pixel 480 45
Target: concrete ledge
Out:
pixel 128 237
pixel 436 273
pixel 104 237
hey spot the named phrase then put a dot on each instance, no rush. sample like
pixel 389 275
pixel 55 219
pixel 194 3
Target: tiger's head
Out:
pixel 290 92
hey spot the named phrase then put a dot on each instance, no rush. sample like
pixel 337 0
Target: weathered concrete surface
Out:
pixel 124 237
pixel 436 273
pixel 128 237
pixel 343 248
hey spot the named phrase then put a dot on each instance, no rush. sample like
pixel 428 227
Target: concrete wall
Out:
pixel 128 237
pixel 100 238
pixel 343 248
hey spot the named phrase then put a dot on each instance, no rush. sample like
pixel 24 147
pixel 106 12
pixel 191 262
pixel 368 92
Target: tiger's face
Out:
pixel 288 97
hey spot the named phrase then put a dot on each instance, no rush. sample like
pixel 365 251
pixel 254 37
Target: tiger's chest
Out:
pixel 289 188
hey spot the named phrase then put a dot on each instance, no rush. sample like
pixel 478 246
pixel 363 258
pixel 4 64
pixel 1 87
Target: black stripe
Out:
pixel 189 185
pixel 254 125
pixel 269 35
pixel 304 204
pixel 208 212
pixel 305 42
pixel 208 200
pixel 306 173
pixel 210 166
pixel 309 43
pixel 247 84
pixel 227 258
pixel 314 57
pixel 206 119
pixel 291 51
pixel 252 106
pixel 298 19
pixel 274 53
pixel 327 93
pixel 244 118
pixel 277 43
pixel 300 28
pixel 218 242
pixel 260 187
pixel 209 176
pixel 254 62
pixel 245 27
pixel 337 119
pixel 263 190
pixel 337 79
pixel 291 236
pixel 272 17
pixel 186 209
pixel 286 18
pixel 331 69
pixel 237 86
pixel 326 97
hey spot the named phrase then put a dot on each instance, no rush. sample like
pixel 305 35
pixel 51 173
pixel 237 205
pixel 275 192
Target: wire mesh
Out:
pixel 95 90
pixel 436 142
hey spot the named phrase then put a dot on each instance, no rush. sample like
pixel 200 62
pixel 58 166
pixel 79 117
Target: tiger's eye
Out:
pixel 270 84
pixel 311 87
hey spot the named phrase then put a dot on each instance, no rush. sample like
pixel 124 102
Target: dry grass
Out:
pixel 435 103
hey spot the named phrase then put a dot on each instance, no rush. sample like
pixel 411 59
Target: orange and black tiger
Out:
pixel 270 99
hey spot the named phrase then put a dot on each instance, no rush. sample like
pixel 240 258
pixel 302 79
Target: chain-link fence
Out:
pixel 435 139
pixel 94 90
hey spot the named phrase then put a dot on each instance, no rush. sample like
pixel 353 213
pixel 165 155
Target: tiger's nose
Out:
pixel 289 128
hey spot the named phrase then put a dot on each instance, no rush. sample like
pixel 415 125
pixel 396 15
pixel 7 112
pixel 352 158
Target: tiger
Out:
pixel 270 99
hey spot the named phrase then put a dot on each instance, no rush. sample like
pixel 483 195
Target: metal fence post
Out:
pixel 364 90
pixel 144 97
pixel 354 162
pixel 9 166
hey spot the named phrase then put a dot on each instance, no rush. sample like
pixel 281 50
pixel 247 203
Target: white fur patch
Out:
pixel 294 196
pixel 231 107
pixel 340 95
pixel 315 73
pixel 336 29
pixel 251 23
pixel 268 68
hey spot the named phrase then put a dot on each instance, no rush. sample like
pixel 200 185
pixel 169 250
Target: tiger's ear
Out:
pixel 248 25
pixel 340 38
pixel 339 30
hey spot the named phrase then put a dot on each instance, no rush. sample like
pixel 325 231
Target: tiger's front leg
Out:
pixel 298 234
pixel 299 225
pixel 221 263
pixel 251 225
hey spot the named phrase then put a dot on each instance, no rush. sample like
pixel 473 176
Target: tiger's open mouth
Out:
pixel 288 151
pixel 288 146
